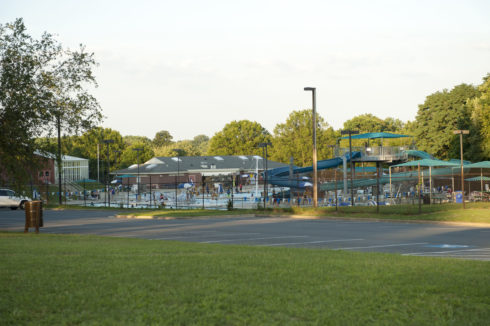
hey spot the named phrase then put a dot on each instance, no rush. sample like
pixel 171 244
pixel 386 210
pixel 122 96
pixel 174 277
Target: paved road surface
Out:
pixel 414 239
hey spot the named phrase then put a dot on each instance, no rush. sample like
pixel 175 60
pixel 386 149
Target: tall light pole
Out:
pixel 107 142
pixel 350 133
pixel 461 133
pixel 138 150
pixel 315 172
pixel 264 146
pixel 59 160
pixel 177 150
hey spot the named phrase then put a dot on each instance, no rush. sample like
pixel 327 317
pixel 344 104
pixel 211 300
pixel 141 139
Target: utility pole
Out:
pixel 264 146
pixel 315 165
pixel 59 160
pixel 108 195
pixel 138 150
pixel 177 150
pixel 350 133
pixel 461 133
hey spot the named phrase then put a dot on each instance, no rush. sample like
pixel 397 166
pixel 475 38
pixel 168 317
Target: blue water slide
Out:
pixel 279 176
pixel 321 165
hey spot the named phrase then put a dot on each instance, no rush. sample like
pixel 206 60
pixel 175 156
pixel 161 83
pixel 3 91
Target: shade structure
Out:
pixel 479 165
pixel 478 178
pixel 127 176
pixel 86 181
pixel 374 135
pixel 427 162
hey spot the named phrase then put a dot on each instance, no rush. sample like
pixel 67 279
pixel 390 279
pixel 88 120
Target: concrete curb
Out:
pixel 369 219
pixel 149 217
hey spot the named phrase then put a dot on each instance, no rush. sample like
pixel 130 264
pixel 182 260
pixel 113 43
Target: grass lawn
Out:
pixel 70 279
pixel 474 212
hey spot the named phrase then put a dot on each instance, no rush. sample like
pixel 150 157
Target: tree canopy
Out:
pixel 294 139
pixel 441 114
pixel 369 123
pixel 40 82
pixel 162 138
pixel 480 119
pixel 239 138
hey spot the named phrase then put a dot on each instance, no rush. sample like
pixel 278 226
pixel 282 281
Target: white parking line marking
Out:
pixel 200 236
pixel 445 252
pixel 382 246
pixel 264 238
pixel 309 242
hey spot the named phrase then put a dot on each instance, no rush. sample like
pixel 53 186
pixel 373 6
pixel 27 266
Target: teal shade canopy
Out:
pixel 86 181
pixel 479 178
pixel 373 135
pixel 427 162
pixel 479 165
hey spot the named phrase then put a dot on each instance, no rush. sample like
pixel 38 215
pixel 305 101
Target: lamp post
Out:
pixel 107 142
pixel 138 150
pixel 315 172
pixel 461 133
pixel 350 133
pixel 264 146
pixel 177 150
pixel 59 160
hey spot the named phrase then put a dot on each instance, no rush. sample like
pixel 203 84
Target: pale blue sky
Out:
pixel 190 67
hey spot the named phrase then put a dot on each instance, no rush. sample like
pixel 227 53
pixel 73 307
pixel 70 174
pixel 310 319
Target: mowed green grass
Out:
pixel 71 280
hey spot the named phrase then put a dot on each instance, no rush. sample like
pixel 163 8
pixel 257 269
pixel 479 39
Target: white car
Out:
pixel 8 198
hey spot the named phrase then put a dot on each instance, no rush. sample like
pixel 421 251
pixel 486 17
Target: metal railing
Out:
pixel 376 153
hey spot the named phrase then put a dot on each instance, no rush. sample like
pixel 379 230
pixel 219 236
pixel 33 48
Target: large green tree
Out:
pixel 294 138
pixel 91 146
pixel 371 123
pixel 132 156
pixel 239 138
pixel 479 137
pixel 162 138
pixel 441 114
pixel 41 83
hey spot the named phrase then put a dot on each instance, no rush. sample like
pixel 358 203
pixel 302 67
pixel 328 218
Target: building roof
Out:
pixel 206 165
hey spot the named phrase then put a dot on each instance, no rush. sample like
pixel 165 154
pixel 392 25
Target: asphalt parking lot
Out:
pixel 415 239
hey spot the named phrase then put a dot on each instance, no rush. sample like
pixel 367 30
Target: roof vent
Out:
pixel 218 158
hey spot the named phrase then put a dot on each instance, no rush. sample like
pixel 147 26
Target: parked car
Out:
pixel 8 198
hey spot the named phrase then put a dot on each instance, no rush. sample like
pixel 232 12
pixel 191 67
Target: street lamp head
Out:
pixel 264 144
pixel 137 149
pixel 310 89
pixel 464 132
pixel 109 141
pixel 349 132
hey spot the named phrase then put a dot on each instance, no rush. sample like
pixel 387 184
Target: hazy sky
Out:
pixel 190 67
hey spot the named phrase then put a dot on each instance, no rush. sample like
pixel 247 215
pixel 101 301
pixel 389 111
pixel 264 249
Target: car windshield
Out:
pixel 10 193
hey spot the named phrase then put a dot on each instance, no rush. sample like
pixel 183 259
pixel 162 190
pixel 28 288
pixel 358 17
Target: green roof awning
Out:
pixel 426 162
pixel 479 178
pixel 480 165
pixel 127 176
pixel 372 135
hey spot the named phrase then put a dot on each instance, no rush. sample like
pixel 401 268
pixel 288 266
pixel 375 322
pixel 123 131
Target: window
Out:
pixel 47 173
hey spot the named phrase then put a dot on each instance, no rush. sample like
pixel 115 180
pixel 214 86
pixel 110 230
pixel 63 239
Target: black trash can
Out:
pixel 426 199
